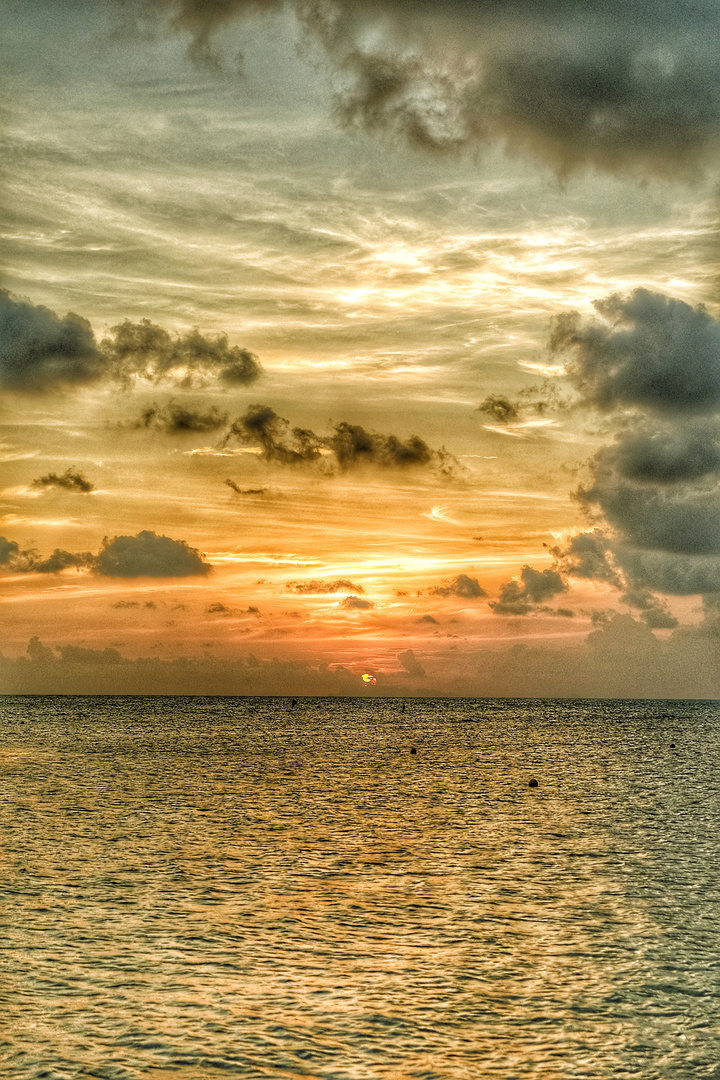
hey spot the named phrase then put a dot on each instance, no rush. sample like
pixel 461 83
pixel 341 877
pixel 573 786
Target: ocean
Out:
pixel 198 887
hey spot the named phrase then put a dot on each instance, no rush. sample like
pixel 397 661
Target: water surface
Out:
pixel 200 886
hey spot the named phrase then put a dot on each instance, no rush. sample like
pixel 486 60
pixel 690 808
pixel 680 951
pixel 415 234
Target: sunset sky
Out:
pixel 361 337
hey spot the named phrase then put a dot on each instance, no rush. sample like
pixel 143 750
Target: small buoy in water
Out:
pixel 294 703
pixel 413 750
pixel 672 745
pixel 532 782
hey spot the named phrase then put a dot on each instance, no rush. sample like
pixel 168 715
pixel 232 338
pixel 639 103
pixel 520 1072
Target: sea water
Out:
pixel 194 887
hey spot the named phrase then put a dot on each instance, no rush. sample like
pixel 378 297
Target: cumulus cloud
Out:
pixel 61 560
pixel 664 454
pixel 588 555
pixel 348 446
pixel 626 88
pixel 411 663
pixel 150 352
pixel 319 587
pixel 355 603
pixel 684 521
pixel 70 480
pixel 174 418
pixel 652 364
pixel 602 557
pixel 29 561
pixel 148 555
pixel 463 587
pixel 352 445
pixel 646 350
pixel 668 573
pixel 40 352
pixel 261 426
pixel 9 551
pixel 144 555
pixel 530 592
pixel 654 612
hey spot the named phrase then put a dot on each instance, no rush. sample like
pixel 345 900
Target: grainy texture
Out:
pixel 199 886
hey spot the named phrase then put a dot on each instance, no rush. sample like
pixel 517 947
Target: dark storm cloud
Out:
pixel 176 419
pixel 653 611
pixel 652 362
pixel 530 593
pixel 41 352
pixel 150 352
pixel 664 454
pixel 355 603
pixel 681 520
pixel 319 588
pixel 588 555
pixel 70 480
pixel 646 351
pixel 148 555
pixel 623 87
pixel 665 572
pixel 349 446
pixel 657 536
pixel 463 587
pixel 411 663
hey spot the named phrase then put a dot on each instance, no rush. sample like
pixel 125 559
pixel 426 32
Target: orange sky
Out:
pixel 392 295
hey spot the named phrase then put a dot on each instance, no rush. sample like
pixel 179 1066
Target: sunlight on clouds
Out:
pixel 503 431
pixel 385 289
pixel 440 513
pixel 54 523
pixel 221 557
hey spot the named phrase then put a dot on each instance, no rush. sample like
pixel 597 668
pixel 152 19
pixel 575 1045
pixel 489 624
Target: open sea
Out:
pixel 199 887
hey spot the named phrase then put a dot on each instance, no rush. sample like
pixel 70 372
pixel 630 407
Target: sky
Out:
pixel 372 337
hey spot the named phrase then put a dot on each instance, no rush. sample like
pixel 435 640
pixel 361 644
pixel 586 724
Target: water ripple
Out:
pixel 193 887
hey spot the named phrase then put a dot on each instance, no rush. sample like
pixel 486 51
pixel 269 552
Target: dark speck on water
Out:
pixel 199 886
